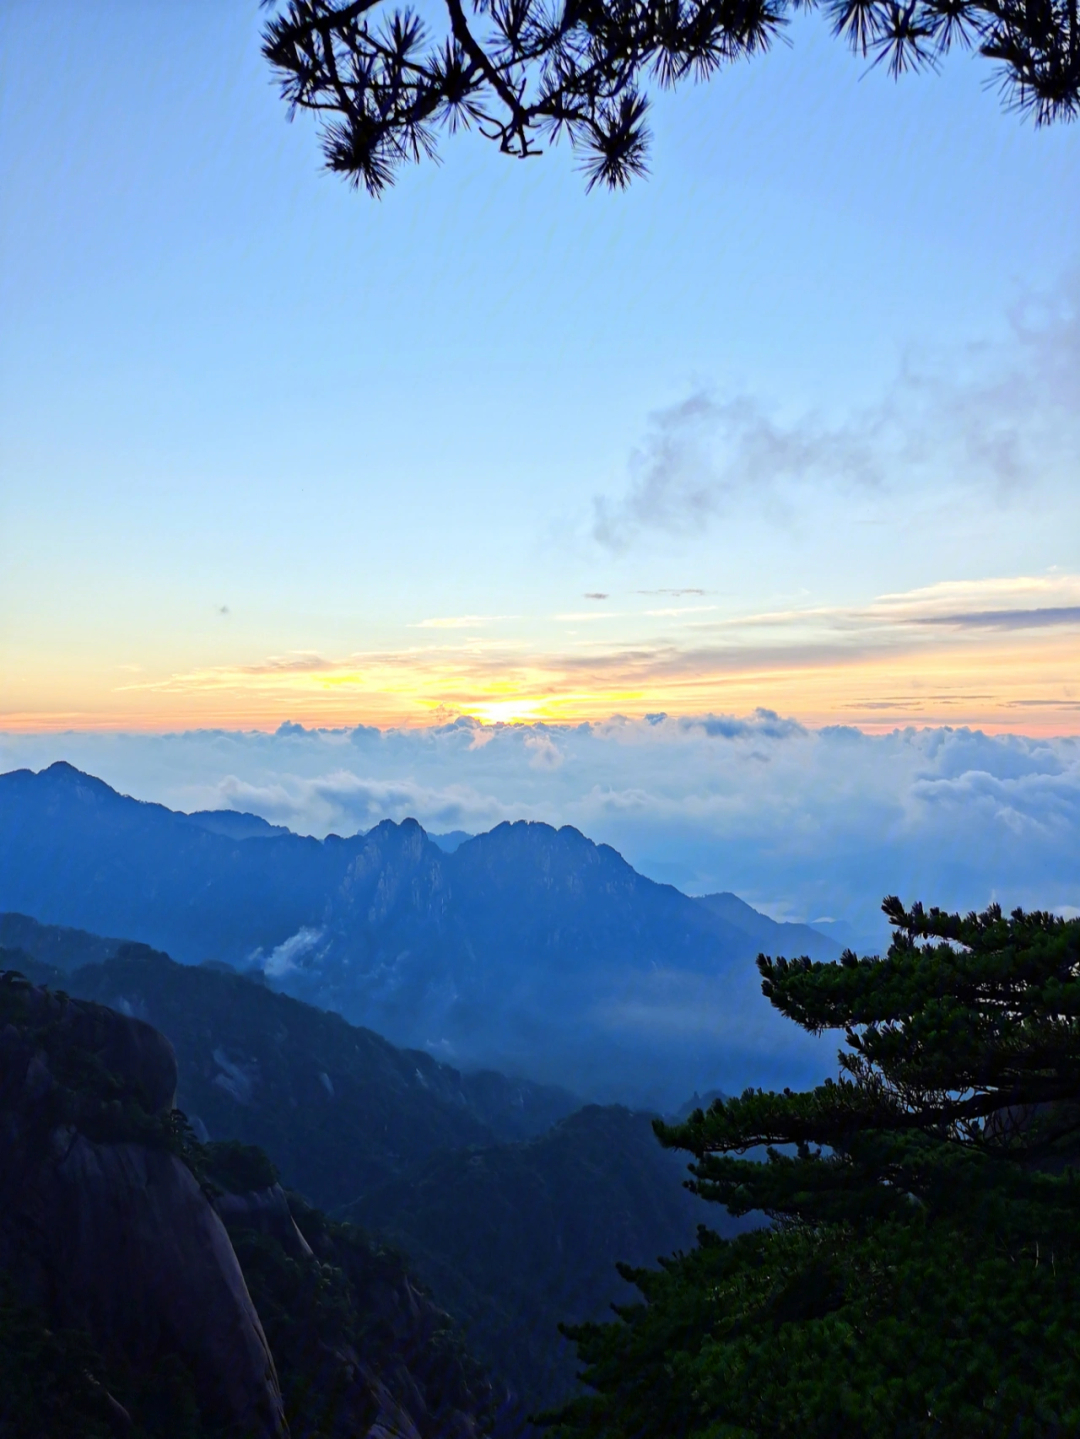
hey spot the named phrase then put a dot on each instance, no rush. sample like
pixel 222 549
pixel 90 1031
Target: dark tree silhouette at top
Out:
pixel 522 72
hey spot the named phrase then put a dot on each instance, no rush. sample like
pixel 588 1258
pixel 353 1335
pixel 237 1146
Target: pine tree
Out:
pixel 920 1271
pixel 383 83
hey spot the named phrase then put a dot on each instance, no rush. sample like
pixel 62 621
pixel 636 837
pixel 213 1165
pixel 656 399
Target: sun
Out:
pixel 515 711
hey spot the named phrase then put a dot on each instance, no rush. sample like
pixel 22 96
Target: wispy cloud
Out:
pixel 680 610
pixel 699 453
pixel 304 663
pixel 459 622
pixel 992 419
pixel 589 616
pixel 994 592
pixel 999 653
pixel 1009 619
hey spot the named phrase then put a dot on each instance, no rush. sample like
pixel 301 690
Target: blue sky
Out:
pixel 803 408
pixel 248 414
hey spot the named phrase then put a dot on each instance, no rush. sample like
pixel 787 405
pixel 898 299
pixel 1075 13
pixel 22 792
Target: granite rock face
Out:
pixel 102 1224
pixel 266 1211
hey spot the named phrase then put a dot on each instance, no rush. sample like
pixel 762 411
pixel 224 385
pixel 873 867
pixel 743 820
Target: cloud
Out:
pixel 579 616
pixel 994 652
pixel 993 419
pixel 287 955
pixel 459 622
pixel 545 752
pixel 672 610
pixel 1008 619
pixel 343 801
pixel 306 662
pixel 762 722
pixel 699 453
pixel 800 821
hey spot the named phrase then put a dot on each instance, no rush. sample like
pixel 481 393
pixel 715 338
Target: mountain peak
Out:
pixel 60 769
pixel 529 949
pixel 60 772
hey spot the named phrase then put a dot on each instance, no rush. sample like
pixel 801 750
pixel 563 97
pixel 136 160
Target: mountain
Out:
pixel 74 852
pixel 875 940
pixel 511 1208
pixel 527 950
pixel 54 945
pixel 773 936
pixel 158 1288
pixel 515 1238
pixel 234 824
pixel 338 1109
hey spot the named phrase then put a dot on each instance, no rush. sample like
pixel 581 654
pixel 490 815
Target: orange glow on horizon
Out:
pixel 1026 683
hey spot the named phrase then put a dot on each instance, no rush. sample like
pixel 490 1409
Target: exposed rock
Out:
pixel 363 1354
pixel 267 1212
pixel 102 1225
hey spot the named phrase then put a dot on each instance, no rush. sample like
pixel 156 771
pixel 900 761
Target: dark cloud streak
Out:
pixel 1007 619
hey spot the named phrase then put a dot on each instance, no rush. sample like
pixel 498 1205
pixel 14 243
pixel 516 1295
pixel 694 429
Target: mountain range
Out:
pixel 527 950
pixel 155 1287
pixel 511 1203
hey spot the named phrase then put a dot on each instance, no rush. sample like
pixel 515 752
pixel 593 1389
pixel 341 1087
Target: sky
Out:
pixel 803 407
pixel 792 426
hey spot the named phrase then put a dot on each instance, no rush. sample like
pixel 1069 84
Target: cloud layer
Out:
pixel 808 824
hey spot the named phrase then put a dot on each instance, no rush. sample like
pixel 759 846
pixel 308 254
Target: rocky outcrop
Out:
pixel 266 1211
pixel 103 1226
pixel 363 1353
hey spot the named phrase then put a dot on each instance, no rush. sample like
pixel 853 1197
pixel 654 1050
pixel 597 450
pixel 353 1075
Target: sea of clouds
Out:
pixel 812 825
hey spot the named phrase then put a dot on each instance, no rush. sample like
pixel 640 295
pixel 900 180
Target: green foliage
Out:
pixel 233 1167
pixel 53 1383
pixel 922 1274
pixel 47 1383
pixel 345 1312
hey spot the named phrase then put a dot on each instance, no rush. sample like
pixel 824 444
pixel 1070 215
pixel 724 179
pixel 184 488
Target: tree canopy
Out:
pixel 384 83
pixel 920 1271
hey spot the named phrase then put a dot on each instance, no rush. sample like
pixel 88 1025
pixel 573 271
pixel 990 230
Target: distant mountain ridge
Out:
pixel 769 933
pixel 526 949
pixel 235 824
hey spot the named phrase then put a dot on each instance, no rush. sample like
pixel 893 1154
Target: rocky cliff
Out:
pixel 136 1263
pixel 103 1227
